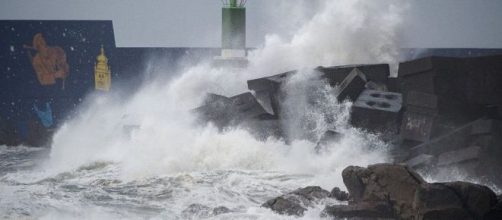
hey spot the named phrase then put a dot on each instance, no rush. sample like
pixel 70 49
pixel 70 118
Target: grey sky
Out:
pixel 171 23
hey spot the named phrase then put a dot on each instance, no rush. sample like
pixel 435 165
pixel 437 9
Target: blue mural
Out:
pixel 45 115
pixel 47 68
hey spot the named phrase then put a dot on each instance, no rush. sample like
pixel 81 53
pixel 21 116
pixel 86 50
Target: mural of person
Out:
pixel 44 116
pixel 49 63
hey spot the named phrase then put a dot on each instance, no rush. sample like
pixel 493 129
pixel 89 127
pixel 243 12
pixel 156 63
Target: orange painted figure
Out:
pixel 49 62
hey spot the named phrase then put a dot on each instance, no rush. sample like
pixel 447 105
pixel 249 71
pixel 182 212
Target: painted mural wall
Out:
pixel 46 69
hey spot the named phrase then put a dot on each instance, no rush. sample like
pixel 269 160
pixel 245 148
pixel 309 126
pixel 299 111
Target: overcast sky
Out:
pixel 178 23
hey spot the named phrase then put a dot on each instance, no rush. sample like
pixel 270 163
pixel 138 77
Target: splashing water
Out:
pixel 162 162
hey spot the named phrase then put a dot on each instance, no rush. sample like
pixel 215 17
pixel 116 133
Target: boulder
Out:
pixel 198 211
pixel 410 197
pixel 383 182
pixel 339 194
pixel 285 206
pixel 437 201
pixel 495 212
pixel 297 202
pixel 221 210
pixel 364 210
pixel 477 199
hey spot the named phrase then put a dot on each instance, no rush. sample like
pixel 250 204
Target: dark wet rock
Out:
pixel 364 210
pixel 410 197
pixel 297 202
pixel 477 199
pixel 495 212
pixel 311 193
pixel 383 182
pixel 221 210
pixel 338 194
pixel 285 206
pixel 196 211
pixel 454 200
pixel 436 201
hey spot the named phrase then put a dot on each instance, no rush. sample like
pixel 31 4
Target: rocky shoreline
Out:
pixel 394 191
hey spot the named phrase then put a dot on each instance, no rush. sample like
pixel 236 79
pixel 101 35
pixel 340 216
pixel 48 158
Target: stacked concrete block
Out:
pixel 421 161
pixel 215 110
pixel 352 86
pixel 351 82
pixel 264 126
pixel 242 110
pixel 245 106
pixel 465 87
pixel 454 140
pixel 377 73
pixel 270 83
pixel 268 91
pixel 484 80
pixel 459 156
pixel 419 117
pixel 473 149
pixel 377 111
pixel 224 111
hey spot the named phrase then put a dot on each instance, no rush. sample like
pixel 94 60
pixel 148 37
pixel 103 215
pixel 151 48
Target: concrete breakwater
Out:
pixel 440 114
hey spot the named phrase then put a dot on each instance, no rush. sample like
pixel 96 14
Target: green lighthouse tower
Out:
pixel 233 35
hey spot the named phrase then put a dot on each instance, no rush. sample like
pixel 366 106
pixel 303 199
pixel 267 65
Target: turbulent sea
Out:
pixel 96 192
pixel 142 156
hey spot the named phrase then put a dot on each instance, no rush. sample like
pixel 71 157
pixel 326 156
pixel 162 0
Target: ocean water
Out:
pixel 142 156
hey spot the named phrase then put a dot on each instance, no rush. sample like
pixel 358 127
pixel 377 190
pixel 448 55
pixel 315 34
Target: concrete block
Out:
pixel 352 86
pixel 269 101
pixel 378 100
pixel 415 66
pixel 454 140
pixel 420 161
pixel 212 98
pixel 482 127
pixel 417 126
pixel 223 111
pixel 393 84
pixel 270 83
pixel 377 111
pixel 246 106
pixel 421 99
pixel 483 85
pixel 264 126
pixel 375 72
pixel 459 156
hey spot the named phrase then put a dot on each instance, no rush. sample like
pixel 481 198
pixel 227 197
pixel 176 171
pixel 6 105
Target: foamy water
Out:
pixel 164 162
